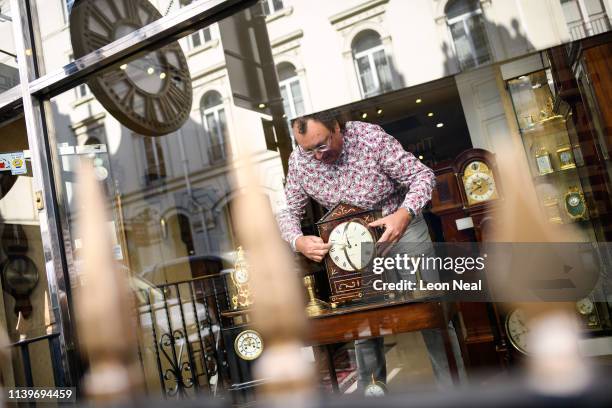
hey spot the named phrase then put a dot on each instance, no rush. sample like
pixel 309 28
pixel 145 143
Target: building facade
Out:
pixel 437 74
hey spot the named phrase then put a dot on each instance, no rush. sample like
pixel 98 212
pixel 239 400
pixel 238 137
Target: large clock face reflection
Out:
pixel 151 95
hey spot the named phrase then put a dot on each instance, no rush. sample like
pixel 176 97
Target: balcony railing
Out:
pixel 580 29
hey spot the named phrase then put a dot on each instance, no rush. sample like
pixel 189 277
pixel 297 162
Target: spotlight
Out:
pixel 430 114
pixel 262 105
pixel 420 157
pixel 364 115
pixel 419 100
pixel 379 111
pixel 440 125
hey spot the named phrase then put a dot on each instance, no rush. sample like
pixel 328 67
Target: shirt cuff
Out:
pixel 293 242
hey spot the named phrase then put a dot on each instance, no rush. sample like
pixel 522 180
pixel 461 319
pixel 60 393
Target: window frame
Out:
pixel 464 18
pixel 218 137
pixel 270 4
pixel 369 53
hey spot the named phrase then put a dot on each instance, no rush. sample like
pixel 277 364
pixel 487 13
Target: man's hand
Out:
pixel 312 247
pixel 395 225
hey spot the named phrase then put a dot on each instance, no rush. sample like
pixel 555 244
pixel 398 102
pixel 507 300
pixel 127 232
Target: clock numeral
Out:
pixel 114 9
pixel 102 19
pixel 132 12
pixel 95 40
pixel 168 110
pixel 176 97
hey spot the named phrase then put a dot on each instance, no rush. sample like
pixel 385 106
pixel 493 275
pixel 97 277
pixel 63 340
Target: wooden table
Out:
pixel 377 319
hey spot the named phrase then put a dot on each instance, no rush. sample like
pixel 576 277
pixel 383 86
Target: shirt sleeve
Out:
pixel 403 167
pixel 289 218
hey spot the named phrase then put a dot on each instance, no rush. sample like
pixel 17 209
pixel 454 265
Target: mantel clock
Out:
pixel 353 249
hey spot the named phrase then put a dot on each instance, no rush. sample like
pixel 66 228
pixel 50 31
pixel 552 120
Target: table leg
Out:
pixel 450 354
pixel 324 357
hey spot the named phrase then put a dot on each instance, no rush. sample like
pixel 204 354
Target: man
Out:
pixel 358 163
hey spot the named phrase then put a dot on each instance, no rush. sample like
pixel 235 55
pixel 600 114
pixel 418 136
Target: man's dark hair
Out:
pixel 326 118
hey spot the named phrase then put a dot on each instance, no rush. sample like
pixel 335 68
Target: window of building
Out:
pixel 155 164
pixel 467 27
pixel 291 91
pixel 585 17
pixel 200 37
pixel 271 6
pixel 66 8
pixel 215 125
pixel 371 64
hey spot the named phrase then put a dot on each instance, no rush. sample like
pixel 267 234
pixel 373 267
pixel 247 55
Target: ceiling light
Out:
pixel 430 114
pixel 262 105
pixel 150 71
pixel 440 125
pixel 123 67
pixel 364 115
pixel 420 157
pixel 162 75
pixel 419 100
pixel 379 111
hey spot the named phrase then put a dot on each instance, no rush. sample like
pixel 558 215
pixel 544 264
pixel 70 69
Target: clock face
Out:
pixel 348 250
pixel 248 345
pixel 479 183
pixel 517 330
pixel 240 275
pixel 20 275
pixel 151 95
pixel 375 390
pixel 585 306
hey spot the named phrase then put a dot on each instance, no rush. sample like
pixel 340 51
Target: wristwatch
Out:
pixel 412 213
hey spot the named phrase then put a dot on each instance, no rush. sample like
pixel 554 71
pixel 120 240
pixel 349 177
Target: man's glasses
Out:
pixel 322 148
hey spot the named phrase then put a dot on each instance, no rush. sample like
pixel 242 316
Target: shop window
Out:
pixel 371 64
pixel 585 17
pixel 271 6
pixel 291 91
pixel 467 27
pixel 155 164
pixel 215 125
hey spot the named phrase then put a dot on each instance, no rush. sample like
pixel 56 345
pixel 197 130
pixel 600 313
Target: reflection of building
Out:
pixel 434 73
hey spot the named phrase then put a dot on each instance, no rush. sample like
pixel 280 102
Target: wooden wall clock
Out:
pixel 348 260
pixel 151 95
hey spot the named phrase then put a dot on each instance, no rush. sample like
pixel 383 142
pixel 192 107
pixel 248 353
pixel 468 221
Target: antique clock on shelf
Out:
pixel 151 95
pixel 353 247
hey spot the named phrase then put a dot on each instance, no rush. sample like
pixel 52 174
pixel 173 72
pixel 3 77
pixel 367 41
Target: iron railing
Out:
pixel 23 348
pixel 580 29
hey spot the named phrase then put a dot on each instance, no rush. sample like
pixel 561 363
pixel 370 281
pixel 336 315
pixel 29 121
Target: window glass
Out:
pixel 468 32
pixel 371 63
pixel 9 73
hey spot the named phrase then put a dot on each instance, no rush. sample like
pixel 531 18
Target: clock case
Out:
pixel 346 286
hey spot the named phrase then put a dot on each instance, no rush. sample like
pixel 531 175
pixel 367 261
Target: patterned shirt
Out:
pixel 373 172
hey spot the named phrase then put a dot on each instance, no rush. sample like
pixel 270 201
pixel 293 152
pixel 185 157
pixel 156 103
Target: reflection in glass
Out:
pixel 468 31
pixel 371 63
pixel 9 74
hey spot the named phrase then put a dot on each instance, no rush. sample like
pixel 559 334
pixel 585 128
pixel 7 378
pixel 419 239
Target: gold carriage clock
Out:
pixel 240 288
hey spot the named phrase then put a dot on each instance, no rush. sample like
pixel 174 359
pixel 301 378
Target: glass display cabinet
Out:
pixel 546 124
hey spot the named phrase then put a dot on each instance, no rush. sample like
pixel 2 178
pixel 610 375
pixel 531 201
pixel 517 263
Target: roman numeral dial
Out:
pixel 152 94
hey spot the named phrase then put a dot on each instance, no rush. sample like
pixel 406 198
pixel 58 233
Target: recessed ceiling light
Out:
pixel 162 75
pixel 430 114
pixel 262 105
pixel 440 125
pixel 419 100
pixel 420 157
pixel 379 111
pixel 364 115
pixel 123 67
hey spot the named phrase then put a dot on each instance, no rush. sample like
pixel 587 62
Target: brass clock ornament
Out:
pixel 375 388
pixel 575 206
pixel 241 297
pixel 248 345
pixel 151 95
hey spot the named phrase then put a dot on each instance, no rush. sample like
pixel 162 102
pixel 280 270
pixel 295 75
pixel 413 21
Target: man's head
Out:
pixel 319 135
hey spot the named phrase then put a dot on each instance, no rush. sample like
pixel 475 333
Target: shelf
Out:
pixel 555 173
